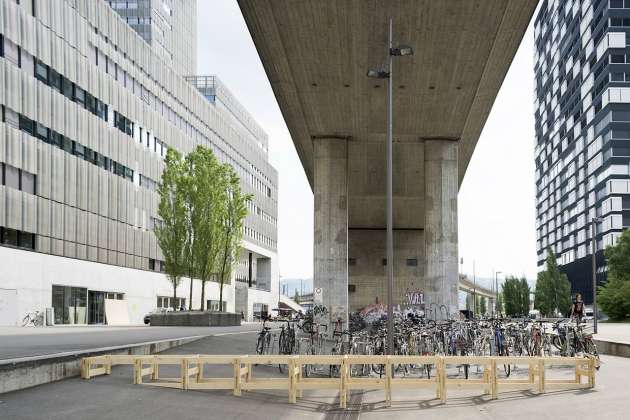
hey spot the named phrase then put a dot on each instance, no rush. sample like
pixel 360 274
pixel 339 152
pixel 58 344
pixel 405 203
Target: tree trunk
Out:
pixel 191 290
pixel 203 293
pixel 221 295
pixel 174 295
pixel 222 280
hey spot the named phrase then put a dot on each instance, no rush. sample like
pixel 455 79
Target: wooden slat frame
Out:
pixel 191 376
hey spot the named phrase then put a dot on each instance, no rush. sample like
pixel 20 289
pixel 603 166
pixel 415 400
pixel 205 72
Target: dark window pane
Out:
pixel 10 237
pixel 617 58
pixel 79 150
pixel 41 71
pixel 79 95
pixel 42 132
pixel 151 264
pixel 55 80
pixel 26 240
pixel 67 88
pixel 26 124
pixel 67 145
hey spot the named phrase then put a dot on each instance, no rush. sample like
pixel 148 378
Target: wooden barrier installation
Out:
pixel 191 368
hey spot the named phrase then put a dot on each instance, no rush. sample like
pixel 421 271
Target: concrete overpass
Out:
pixel 316 54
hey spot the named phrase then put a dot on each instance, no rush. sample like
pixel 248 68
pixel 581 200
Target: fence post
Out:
pixel 494 385
pixel 591 371
pixel 184 373
pixel 155 370
pixel 237 377
pixel 442 378
pixel 541 375
pixel 137 372
pixel 388 381
pixel 108 365
pixel 85 368
pixel 342 382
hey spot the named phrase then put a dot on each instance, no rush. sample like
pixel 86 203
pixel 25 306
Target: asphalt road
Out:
pixel 114 397
pixel 29 342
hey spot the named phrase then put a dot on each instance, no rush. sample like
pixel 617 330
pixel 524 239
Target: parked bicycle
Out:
pixel 34 318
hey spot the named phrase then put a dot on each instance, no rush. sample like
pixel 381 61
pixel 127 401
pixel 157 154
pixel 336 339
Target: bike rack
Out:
pixel 242 379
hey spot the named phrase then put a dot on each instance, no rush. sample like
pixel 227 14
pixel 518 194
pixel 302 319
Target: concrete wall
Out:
pixel 368 273
pixel 32 275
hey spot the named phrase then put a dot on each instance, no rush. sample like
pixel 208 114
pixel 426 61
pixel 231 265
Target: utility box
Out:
pixel 50 317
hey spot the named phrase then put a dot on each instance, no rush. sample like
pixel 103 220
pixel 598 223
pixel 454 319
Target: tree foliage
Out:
pixel 202 209
pixel 499 303
pixel 553 290
pixel 515 296
pixel 171 232
pixel 231 218
pixel 481 305
pixel 614 296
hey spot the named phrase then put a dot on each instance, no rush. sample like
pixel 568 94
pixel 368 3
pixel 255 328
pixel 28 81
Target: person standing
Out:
pixel 577 308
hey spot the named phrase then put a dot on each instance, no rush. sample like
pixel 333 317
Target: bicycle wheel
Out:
pixel 282 343
pixel 26 320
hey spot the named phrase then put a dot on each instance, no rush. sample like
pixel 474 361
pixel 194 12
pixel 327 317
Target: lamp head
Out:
pixel 401 50
pixel 378 74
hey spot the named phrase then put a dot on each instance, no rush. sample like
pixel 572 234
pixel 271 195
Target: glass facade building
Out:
pixel 582 123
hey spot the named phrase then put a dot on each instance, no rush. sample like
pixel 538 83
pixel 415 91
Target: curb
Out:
pixel 26 372
pixel 613 348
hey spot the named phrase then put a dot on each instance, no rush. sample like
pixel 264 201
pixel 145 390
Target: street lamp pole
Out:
pixel 390 216
pixel 594 261
pixel 401 50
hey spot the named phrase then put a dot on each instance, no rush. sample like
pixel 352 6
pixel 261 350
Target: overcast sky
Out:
pixel 496 199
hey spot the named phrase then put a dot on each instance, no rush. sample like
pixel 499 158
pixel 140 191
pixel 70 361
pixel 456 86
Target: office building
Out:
pixel 582 116
pixel 89 109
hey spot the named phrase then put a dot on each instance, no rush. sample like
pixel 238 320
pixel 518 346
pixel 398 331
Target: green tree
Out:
pixel 499 303
pixel 171 231
pixel 231 216
pixel 511 298
pixel 207 193
pixel 553 290
pixel 481 305
pixel 614 296
pixel 296 297
pixel 524 292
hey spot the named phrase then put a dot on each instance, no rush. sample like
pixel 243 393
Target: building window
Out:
pixel 213 305
pixel 412 262
pixel 16 238
pixel 41 71
pixel 11 177
pixel 151 264
pixel 27 182
pixel 167 302
pixel 1 45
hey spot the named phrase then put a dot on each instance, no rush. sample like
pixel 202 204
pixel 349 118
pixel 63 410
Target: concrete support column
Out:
pixel 331 227
pixel 440 225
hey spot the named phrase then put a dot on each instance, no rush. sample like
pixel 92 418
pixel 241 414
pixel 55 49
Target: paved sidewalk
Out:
pixel 115 397
pixel 20 342
pixel 616 332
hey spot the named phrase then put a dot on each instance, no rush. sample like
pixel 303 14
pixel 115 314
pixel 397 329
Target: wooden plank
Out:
pixel 318 360
pixel 147 371
pixel 176 385
pixel 98 371
pixel 218 360
pixel 372 383
pixel 267 384
pixel 216 383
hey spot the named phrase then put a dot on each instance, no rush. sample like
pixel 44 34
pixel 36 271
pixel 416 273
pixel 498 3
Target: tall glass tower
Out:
pixel 582 114
pixel 170 26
